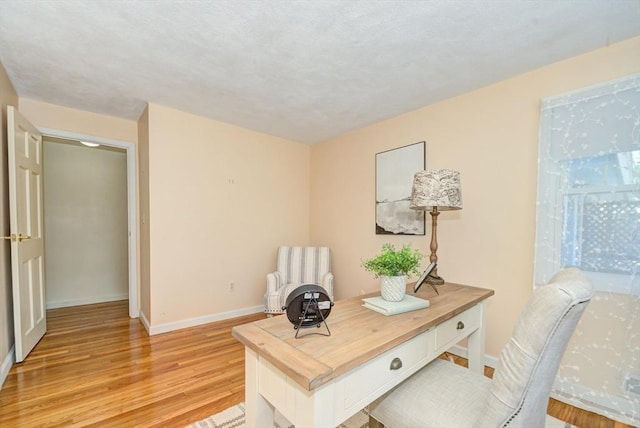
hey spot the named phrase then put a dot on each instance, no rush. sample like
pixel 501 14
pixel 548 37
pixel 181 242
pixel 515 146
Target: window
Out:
pixel 589 185
pixel 588 216
pixel 601 214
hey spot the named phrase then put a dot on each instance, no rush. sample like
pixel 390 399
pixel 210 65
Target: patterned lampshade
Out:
pixel 439 188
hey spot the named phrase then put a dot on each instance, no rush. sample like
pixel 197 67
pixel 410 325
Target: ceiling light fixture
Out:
pixel 90 144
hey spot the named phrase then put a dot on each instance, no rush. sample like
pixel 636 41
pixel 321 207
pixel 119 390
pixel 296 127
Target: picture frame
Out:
pixel 395 169
pixel 424 277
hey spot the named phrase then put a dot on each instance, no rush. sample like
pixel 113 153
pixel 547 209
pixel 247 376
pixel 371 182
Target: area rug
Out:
pixel 233 417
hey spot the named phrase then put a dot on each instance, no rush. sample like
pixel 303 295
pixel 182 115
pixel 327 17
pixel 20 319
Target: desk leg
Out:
pixel 315 409
pixel 475 344
pixel 258 411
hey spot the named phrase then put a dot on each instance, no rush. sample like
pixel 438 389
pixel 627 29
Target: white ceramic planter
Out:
pixel 393 288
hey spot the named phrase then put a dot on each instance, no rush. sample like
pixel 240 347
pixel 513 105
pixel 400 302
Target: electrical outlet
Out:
pixel 362 292
pixel 232 286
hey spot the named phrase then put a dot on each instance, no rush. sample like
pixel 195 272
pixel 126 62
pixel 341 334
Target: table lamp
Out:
pixel 436 190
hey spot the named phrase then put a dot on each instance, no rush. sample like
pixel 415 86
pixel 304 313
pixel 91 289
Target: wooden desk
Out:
pixel 320 381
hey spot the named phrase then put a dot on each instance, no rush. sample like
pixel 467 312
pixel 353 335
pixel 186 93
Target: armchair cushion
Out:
pixel 296 266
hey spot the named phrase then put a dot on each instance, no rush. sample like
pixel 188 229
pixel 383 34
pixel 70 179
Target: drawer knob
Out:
pixel 396 364
pixel 460 325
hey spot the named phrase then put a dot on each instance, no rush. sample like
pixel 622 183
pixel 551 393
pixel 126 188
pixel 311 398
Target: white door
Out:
pixel 27 246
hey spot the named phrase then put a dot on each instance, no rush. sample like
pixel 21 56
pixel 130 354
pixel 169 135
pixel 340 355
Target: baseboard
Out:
pixel 87 301
pixel 7 363
pixel 192 322
pixel 461 351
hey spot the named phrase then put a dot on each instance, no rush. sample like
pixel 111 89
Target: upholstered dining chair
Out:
pixel 296 266
pixel 444 394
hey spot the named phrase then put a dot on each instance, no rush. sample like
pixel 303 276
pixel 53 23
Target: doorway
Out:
pixel 106 269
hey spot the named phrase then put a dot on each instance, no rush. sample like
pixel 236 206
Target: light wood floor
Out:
pixel 97 367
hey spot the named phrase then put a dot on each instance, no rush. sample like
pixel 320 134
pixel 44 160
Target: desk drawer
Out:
pixel 384 371
pixel 457 328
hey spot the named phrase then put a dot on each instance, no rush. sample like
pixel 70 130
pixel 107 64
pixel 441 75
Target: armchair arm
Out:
pixel 274 282
pixel 327 284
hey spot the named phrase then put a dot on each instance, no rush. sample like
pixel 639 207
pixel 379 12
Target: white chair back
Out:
pixel 529 362
pixel 303 265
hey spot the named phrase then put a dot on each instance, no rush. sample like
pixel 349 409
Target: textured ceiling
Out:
pixel 302 70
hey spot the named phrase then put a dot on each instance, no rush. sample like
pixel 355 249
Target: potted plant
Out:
pixel 392 267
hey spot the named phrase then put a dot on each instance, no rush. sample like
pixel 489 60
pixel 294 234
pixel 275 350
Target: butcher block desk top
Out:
pixel 358 334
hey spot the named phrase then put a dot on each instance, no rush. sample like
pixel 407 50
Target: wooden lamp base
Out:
pixel 434 278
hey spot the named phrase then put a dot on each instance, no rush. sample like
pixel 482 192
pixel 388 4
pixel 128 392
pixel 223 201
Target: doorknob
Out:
pixel 18 238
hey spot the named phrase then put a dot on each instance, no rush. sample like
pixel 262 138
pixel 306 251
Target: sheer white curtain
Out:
pixel 588 215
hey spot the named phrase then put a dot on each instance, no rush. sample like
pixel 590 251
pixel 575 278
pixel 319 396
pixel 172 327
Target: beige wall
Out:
pixel 198 232
pixel 143 217
pixel 490 136
pixel 8 96
pixel 82 122
pixel 85 224
pixel 221 200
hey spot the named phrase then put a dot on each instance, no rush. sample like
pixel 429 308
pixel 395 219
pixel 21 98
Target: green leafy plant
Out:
pixel 392 262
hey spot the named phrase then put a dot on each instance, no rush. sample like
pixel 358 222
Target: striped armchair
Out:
pixel 297 266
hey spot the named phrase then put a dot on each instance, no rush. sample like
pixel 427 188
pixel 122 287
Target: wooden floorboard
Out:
pixel 97 367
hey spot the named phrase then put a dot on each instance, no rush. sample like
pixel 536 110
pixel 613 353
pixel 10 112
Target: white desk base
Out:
pixel 327 406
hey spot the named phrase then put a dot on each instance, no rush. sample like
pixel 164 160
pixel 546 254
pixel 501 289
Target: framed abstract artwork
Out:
pixel 394 179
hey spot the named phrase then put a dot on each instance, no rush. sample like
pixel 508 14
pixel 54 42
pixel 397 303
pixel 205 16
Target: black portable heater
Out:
pixel 307 306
